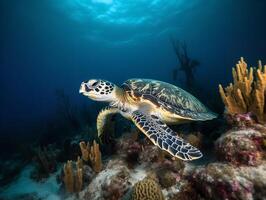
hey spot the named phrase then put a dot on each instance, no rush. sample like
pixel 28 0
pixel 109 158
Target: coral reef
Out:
pixel 111 183
pixel 240 120
pixel 73 178
pixel 88 174
pixel 166 178
pixel 241 174
pixel 223 181
pixel 117 186
pixel 140 170
pixel 150 154
pixel 133 152
pixel 248 91
pixel 119 177
pixel 137 169
pixel 147 189
pixel 186 192
pixel 241 147
pixel 92 154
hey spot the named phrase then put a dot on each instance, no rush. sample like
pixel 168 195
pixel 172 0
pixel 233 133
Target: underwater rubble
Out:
pixel 138 170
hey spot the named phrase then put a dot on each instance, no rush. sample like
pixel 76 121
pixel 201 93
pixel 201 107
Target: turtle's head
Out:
pixel 99 90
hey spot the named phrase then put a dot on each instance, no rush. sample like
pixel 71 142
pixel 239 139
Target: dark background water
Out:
pixel 51 44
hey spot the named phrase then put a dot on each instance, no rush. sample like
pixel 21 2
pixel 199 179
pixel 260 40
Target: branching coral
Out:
pixel 147 189
pixel 93 154
pixel 68 176
pixel 248 92
pixel 73 179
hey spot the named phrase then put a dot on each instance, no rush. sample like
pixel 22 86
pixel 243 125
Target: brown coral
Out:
pixel 248 92
pixel 147 189
pixel 68 176
pixel 92 153
pixel 73 179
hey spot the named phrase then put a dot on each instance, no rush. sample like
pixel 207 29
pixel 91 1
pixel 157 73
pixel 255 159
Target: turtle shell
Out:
pixel 168 97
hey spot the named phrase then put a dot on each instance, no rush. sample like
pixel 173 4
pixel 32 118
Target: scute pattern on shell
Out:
pixel 168 97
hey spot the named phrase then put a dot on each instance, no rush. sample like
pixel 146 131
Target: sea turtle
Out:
pixel 150 104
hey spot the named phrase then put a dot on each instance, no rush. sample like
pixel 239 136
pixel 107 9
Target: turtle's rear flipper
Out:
pixel 161 135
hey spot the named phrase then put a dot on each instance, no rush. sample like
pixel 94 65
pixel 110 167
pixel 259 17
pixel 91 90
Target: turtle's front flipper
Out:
pixel 102 118
pixel 161 135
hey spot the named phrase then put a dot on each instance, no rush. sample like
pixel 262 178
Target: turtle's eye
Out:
pixel 94 84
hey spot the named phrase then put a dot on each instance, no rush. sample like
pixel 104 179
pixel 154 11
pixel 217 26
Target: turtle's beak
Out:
pixel 86 91
pixel 82 88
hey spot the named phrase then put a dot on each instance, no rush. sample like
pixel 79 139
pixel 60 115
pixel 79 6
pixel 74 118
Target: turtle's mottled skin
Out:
pixel 150 104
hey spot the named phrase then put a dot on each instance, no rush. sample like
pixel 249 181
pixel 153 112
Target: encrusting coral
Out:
pixel 92 154
pixel 248 92
pixel 223 181
pixel 147 189
pixel 73 179
pixel 241 147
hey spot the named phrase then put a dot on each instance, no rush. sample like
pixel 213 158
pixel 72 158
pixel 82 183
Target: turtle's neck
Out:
pixel 119 99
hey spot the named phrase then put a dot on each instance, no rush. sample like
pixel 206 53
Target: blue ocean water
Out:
pixel 48 47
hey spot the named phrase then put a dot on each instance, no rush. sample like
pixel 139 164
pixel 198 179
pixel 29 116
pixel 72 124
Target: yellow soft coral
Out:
pixel 73 180
pixel 92 153
pixel 247 92
pixel 147 189
pixel 68 176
